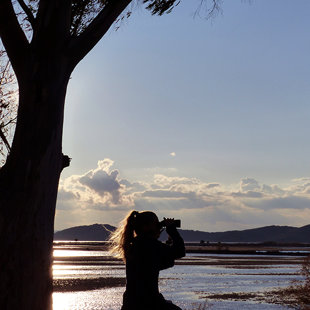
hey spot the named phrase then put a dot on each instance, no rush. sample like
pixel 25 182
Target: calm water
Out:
pixel 186 285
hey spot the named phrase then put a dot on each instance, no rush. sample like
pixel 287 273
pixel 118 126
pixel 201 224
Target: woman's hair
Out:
pixel 135 223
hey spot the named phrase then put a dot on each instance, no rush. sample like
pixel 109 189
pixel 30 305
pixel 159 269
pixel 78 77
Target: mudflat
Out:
pixel 238 257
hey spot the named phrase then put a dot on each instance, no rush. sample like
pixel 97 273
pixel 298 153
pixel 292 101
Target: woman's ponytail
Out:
pixel 124 235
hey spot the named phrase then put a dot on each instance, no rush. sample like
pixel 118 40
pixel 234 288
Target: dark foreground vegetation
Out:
pixel 298 294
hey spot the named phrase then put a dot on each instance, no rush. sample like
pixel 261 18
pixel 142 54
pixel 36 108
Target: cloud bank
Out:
pixel 101 195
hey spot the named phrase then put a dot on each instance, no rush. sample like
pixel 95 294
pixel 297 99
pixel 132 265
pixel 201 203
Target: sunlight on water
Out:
pixel 71 271
pixel 78 253
pixel 107 299
pixel 62 301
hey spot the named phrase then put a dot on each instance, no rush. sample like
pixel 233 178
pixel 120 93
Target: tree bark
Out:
pixel 28 188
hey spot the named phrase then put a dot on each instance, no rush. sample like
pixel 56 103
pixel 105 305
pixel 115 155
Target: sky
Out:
pixel 205 120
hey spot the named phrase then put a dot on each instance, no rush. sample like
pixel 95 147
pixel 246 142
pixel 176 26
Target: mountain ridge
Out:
pixel 272 233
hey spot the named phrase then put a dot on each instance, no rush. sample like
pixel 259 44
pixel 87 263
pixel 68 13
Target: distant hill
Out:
pixel 95 232
pixel 262 234
pixel 101 232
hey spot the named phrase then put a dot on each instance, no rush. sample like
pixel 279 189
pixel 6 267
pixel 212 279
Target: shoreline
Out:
pixel 286 249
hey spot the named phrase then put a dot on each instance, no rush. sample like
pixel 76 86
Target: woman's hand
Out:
pixel 170 226
pixel 169 222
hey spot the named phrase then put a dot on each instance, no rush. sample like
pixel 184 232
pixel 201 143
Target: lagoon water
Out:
pixel 187 285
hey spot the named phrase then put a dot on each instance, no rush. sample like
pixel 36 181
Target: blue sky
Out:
pixel 203 120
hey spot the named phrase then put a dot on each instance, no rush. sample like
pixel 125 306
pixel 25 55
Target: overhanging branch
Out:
pixel 13 37
pixel 81 45
pixel 5 141
pixel 28 12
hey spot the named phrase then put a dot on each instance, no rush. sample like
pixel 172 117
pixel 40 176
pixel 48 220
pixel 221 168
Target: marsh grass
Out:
pixel 203 306
pixel 297 295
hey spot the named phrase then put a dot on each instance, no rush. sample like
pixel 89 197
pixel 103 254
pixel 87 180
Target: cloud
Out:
pixel 63 195
pixel 209 206
pixel 161 180
pixel 290 202
pixel 248 194
pixel 103 182
pixel 272 190
pixel 65 199
pixel 168 194
pixel 212 185
pixel 100 187
pixel 133 187
pixel 249 184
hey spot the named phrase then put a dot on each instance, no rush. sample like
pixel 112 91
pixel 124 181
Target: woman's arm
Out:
pixel 168 253
pixel 177 246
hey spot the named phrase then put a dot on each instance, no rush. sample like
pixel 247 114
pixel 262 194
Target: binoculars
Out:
pixel 176 223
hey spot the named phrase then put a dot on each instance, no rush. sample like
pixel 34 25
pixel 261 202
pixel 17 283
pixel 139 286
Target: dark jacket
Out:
pixel 145 258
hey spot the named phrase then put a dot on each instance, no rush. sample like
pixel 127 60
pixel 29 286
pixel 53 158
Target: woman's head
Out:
pixel 146 224
pixel 136 223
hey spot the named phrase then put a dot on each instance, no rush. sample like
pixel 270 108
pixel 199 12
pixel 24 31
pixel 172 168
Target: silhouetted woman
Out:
pixel 136 242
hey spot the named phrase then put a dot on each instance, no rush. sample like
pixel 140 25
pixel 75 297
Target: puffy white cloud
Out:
pixel 206 206
pixel 98 188
pixel 103 182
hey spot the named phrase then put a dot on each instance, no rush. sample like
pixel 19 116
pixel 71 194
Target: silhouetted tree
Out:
pixel 44 41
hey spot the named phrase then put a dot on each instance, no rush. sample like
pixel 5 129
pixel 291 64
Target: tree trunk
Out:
pixel 28 189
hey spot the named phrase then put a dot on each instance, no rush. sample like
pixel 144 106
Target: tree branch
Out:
pixel 4 74
pixel 81 45
pixel 6 143
pixel 13 37
pixel 28 12
pixel 10 122
pixel 214 9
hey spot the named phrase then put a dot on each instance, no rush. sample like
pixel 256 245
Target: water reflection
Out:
pixel 187 283
pixel 107 299
pixel 78 253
